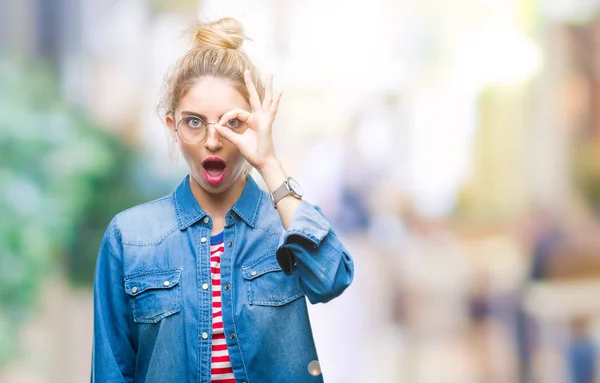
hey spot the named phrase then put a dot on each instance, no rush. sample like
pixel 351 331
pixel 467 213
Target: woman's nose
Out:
pixel 213 138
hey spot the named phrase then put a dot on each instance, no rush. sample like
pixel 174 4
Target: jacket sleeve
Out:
pixel 113 353
pixel 310 248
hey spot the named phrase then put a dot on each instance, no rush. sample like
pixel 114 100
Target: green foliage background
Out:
pixel 62 178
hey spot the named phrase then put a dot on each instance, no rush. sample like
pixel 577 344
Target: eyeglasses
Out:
pixel 192 129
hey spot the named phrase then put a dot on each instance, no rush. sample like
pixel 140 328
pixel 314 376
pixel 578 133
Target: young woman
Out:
pixel 207 284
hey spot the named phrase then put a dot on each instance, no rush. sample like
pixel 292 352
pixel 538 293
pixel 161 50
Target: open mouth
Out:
pixel 214 169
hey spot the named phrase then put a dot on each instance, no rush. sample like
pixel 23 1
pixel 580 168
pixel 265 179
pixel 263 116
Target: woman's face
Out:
pixel 215 163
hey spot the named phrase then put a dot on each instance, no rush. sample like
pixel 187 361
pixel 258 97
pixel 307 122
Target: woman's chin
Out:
pixel 216 185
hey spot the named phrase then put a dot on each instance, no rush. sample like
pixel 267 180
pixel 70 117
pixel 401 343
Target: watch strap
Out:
pixel 279 193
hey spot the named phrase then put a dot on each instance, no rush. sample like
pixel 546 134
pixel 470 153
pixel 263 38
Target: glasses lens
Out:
pixel 191 130
pixel 236 125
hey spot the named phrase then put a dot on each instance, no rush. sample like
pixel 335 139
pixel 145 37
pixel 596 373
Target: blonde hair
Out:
pixel 216 52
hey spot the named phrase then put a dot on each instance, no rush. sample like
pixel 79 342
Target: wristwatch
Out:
pixel 289 186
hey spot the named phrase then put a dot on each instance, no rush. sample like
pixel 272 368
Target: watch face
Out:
pixel 294 187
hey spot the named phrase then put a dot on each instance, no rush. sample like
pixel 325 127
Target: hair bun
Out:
pixel 224 33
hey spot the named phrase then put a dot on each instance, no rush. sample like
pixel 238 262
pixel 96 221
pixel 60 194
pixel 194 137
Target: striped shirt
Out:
pixel 220 364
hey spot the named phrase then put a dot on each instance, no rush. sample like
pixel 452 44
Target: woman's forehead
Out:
pixel 212 95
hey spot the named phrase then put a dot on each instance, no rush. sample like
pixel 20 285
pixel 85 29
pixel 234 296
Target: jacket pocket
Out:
pixel 154 294
pixel 267 285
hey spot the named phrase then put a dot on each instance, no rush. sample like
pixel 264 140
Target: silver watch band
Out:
pixel 279 193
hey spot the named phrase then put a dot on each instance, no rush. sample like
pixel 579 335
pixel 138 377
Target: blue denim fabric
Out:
pixel 152 290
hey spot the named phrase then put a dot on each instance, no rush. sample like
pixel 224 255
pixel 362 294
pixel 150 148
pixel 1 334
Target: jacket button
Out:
pixel 227 286
pixel 166 283
pixel 230 244
pixel 232 336
pixel 203 239
pixel 206 219
pixel 134 289
pixel 230 215
pixel 204 335
pixel 314 368
pixel 253 273
pixel 205 286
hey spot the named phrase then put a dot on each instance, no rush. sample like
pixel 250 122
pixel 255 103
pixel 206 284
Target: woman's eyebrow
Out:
pixel 201 116
pixel 188 113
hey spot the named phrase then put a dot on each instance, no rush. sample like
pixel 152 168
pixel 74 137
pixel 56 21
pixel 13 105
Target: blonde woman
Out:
pixel 208 284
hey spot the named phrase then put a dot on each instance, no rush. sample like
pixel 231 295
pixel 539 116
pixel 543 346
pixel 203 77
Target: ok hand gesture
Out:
pixel 256 142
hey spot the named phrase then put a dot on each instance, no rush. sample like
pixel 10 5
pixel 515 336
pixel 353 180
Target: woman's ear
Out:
pixel 173 139
pixel 170 123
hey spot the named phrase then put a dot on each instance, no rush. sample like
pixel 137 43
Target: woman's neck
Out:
pixel 217 205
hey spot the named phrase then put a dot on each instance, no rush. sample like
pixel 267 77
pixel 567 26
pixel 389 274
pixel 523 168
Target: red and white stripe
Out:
pixel 220 364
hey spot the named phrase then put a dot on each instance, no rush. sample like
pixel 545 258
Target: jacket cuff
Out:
pixel 308 228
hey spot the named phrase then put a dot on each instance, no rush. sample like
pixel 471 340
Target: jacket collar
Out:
pixel 189 211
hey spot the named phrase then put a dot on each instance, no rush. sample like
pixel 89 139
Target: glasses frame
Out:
pixel 205 128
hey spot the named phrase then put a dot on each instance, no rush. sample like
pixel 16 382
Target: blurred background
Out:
pixel 453 144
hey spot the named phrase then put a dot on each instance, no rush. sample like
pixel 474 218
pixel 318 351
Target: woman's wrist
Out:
pixel 272 173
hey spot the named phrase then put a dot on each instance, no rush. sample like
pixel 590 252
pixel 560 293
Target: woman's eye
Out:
pixel 195 123
pixel 234 123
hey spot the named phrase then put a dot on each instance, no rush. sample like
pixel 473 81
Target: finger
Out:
pixel 252 93
pixel 238 113
pixel 275 105
pixel 228 134
pixel 268 92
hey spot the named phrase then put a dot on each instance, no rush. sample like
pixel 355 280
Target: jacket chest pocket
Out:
pixel 267 285
pixel 154 295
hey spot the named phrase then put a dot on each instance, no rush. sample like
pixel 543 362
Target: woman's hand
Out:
pixel 256 143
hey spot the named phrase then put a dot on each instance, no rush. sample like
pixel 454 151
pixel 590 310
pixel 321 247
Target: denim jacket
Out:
pixel 152 291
